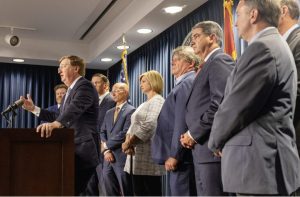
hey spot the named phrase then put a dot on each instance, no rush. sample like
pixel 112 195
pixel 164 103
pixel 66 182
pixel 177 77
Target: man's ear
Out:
pixel 212 38
pixel 77 68
pixel 284 10
pixel 254 16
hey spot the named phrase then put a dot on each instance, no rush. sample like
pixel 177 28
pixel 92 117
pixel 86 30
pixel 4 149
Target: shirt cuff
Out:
pixel 189 134
pixel 105 146
pixel 36 111
pixel 106 151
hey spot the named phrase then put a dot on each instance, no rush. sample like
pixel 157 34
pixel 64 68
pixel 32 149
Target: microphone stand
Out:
pixel 11 120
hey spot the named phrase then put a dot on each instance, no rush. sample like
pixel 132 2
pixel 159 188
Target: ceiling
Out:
pixel 60 27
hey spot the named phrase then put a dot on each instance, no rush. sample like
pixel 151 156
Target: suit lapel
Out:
pixel 104 100
pixel 293 34
pixel 203 71
pixel 119 115
pixel 71 94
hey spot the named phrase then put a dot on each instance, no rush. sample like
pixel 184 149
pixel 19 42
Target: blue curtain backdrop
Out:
pixel 38 81
pixel 156 54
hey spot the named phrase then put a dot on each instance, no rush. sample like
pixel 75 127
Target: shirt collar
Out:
pixel 74 82
pixel 179 79
pixel 101 97
pixel 208 56
pixel 121 105
pixel 259 33
pixel 287 34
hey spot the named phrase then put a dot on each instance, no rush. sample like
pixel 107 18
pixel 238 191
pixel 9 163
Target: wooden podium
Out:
pixel 35 166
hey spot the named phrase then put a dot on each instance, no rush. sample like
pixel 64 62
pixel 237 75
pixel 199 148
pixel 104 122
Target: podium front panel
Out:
pixel 31 165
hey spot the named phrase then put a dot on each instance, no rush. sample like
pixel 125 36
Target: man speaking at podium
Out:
pixel 79 111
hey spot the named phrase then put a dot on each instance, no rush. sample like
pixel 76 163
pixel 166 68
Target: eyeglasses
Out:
pixel 62 66
pixel 117 91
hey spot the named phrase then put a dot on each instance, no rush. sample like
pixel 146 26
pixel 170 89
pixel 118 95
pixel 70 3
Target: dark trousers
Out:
pixel 100 184
pixel 82 180
pixel 182 180
pixel 86 179
pixel 208 179
pixel 147 185
pixel 116 181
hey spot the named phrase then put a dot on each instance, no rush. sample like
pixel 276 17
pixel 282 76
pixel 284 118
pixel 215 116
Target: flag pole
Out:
pixel 124 63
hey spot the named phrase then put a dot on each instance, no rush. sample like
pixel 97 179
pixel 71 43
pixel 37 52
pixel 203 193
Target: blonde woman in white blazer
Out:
pixel 146 174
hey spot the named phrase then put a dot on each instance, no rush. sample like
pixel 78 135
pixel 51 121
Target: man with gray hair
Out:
pixel 253 128
pixel 166 147
pixel 290 30
pixel 203 101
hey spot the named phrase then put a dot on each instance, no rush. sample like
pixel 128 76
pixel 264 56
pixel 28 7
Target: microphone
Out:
pixel 13 106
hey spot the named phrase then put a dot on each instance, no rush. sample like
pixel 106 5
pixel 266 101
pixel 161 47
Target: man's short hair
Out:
pixel 75 61
pixel 155 80
pixel 293 7
pixel 269 10
pixel 102 77
pixel 60 86
pixel 187 53
pixel 209 28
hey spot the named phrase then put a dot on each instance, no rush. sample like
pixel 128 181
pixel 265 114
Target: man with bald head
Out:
pixel 113 131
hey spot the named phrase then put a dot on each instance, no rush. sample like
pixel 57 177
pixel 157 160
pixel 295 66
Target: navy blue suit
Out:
pixel 80 112
pixel 116 180
pixel 206 95
pixel 53 108
pixel 170 125
pixel 106 104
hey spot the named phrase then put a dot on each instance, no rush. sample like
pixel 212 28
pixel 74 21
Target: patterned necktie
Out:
pixel 66 96
pixel 117 110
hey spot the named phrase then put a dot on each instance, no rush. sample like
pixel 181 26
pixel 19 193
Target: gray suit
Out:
pixel 254 124
pixel 294 42
pixel 206 95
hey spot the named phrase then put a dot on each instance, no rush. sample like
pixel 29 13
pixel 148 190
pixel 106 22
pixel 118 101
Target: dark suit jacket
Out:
pixel 80 112
pixel 254 123
pixel 294 43
pixel 114 133
pixel 205 97
pixel 171 124
pixel 106 104
pixel 53 108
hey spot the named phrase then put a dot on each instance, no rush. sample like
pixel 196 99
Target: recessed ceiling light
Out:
pixel 144 31
pixel 106 59
pixel 173 9
pixel 121 47
pixel 18 60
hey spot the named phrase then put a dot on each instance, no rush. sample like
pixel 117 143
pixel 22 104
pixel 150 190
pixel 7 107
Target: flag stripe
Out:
pixel 229 46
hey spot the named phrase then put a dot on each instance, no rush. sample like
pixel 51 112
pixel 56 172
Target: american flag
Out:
pixel 124 73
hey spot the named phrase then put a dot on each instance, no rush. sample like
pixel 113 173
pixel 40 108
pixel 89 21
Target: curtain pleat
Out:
pixel 17 80
pixel 156 54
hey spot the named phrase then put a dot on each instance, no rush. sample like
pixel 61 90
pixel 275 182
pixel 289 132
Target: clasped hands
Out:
pixel 188 142
pixel 127 146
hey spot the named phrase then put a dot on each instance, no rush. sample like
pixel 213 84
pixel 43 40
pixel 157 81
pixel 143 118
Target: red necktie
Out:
pixel 199 68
